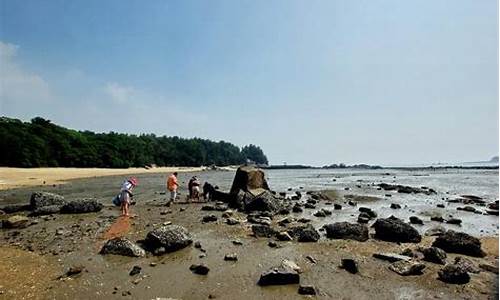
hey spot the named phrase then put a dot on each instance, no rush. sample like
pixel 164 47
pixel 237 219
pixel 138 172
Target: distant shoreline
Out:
pixel 300 167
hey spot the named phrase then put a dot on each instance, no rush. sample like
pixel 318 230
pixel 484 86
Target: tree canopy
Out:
pixel 40 143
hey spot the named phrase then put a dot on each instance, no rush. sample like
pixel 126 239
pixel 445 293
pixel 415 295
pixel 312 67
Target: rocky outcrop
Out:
pixel 395 230
pixel 249 179
pixel 81 206
pixel 168 239
pixel 122 246
pixel 40 199
pixel 459 242
pixel 346 230
pixel 46 210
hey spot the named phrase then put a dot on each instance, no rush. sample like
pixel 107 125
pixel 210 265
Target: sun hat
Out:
pixel 133 181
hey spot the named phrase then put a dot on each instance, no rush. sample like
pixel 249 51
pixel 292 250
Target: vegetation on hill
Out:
pixel 40 143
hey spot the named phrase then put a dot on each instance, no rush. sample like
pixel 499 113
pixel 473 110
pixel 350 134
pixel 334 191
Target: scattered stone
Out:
pixel 208 208
pixel 454 221
pixel 122 246
pixel 16 222
pixel 435 231
pixel 135 270
pixel 232 221
pixel 467 208
pixel 440 205
pixel 237 242
pixel 412 253
pixel 272 244
pixel 200 269
pixel 416 220
pixel 9 209
pixel 459 242
pixel 337 206
pixel 407 268
pixel 285 273
pixel 437 219
pixel 170 238
pixel 466 264
pixel 304 220
pixel 263 230
pixel 395 230
pixel 310 206
pixel 434 255
pixel 320 214
pixel 368 211
pixel 455 274
pixel 307 290
pixel 350 265
pixel 209 218
pixel 346 230
pixel 284 236
pixel 297 208
pixel 197 245
pixel 231 257
pixel 311 259
pixel 395 206
pixel 308 234
pixel 74 270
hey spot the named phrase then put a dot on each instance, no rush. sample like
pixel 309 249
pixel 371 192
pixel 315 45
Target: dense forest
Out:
pixel 40 143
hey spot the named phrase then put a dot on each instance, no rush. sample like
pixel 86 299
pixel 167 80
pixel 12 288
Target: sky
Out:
pixel 310 82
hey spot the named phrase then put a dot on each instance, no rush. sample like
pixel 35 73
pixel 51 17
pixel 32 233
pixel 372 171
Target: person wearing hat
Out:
pixel 126 194
pixel 172 186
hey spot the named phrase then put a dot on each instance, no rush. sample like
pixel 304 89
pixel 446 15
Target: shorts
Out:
pixel 173 195
pixel 125 197
pixel 196 189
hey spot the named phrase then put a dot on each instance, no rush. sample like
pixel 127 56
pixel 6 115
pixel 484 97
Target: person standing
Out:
pixel 172 186
pixel 126 195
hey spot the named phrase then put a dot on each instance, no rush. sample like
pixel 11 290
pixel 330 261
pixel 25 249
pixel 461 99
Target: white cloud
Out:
pixel 119 93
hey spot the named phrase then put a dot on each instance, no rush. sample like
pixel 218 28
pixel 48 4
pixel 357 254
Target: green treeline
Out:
pixel 40 143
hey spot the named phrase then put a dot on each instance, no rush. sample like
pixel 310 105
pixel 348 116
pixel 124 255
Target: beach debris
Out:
pixel 395 230
pixel 416 220
pixel 200 269
pixel 459 242
pixel 135 270
pixel 307 290
pixel 168 239
pixel 286 273
pixel 453 273
pixel 16 221
pixel 346 230
pixel 350 265
pixel 390 257
pixel 122 246
pixel 434 255
pixel 81 206
pixel 407 268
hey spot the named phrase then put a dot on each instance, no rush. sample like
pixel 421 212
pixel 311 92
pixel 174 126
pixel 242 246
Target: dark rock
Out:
pixel 320 214
pixel 310 206
pixel 264 201
pixel 440 205
pixel 272 244
pixel 437 219
pixel 197 245
pixel 232 221
pixel 283 236
pixel 282 274
pixel 170 238
pixel 467 208
pixel 249 179
pixel 46 210
pixel 412 253
pixel 307 234
pixel 352 203
pixel 406 189
pixel 454 221
pixel 492 205
pixel 459 242
pixel 395 206
pixel 209 218
pixel 350 265
pixel 416 220
pixel 453 274
pixel 135 270
pixel 390 257
pixel 297 208
pixel 466 264
pixel 9 209
pixel 395 230
pixel 304 220
pixel 407 268
pixel 368 211
pixel 237 242
pixel 81 206
pixel 74 270
pixel 434 255
pixel 16 222
pixel 363 220
pixel 208 207
pixel 263 231
pixel 200 269
pixel 231 257
pixel 307 290
pixel 122 246
pixel 40 199
pixel 345 230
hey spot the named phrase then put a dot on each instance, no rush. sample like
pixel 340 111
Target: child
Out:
pixel 126 194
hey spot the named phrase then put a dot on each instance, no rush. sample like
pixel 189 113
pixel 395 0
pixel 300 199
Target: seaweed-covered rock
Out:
pixel 459 242
pixel 435 255
pixel 346 230
pixel 308 234
pixel 395 230
pixel 81 206
pixel 453 273
pixel 39 199
pixel 122 246
pixel 46 210
pixel 170 238
pixel 260 230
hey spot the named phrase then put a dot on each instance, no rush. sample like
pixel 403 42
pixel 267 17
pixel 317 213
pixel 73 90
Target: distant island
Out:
pixel 40 143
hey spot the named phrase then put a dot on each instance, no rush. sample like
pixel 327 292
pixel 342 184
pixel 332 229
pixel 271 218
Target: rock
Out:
pixel 309 206
pixel 135 270
pixel 391 257
pixel 272 244
pixel 406 189
pixel 304 220
pixel 455 274
pixel 74 270
pixel 231 257
pixel 208 208
pixel 363 218
pixel 311 259
pixel 459 242
pixel 9 209
pixel 368 212
pixel 437 219
pixel 492 205
pixel 263 230
pixel 197 245
pixel 237 242
pixel 467 208
pixel 412 253
pixel 200 269
pixel 350 265
pixel 232 221
pixel 435 231
pixel 454 221
pixel 407 268
pixel 283 236
pixel 416 220
pixel 307 290
pixel 395 230
pixel 285 221
pixel 489 268
pixel 395 206
pixel 308 234
pixel 337 206
pixel 16 222
pixel 345 230
pixel 81 206
pixel 320 214
pixel 297 208
pixel 122 246
pixel 46 210
pixel 434 255
pixel 170 238
pixel 209 218
pixel 285 273
pixel 440 205
pixel 466 264
pixel 264 201
pixel 40 199
pixel 492 212
pixel 249 179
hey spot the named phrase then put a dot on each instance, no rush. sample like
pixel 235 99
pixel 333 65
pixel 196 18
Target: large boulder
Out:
pixel 265 201
pixel 459 242
pixel 122 246
pixel 260 230
pixel 170 238
pixel 434 255
pixel 346 230
pixel 16 222
pixel 285 273
pixel 249 179
pixel 453 273
pixel 81 206
pixel 395 230
pixel 46 210
pixel 40 199
pixel 304 234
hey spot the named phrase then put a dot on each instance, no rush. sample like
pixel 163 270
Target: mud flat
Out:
pixel 57 255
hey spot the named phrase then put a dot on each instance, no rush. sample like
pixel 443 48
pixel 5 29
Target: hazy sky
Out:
pixel 312 82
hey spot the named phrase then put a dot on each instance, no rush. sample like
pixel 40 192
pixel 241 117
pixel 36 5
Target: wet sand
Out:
pixel 57 242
